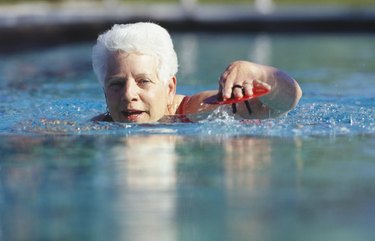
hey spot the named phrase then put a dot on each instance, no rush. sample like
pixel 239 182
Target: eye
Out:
pixel 116 85
pixel 144 82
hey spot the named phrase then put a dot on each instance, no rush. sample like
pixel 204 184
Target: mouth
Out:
pixel 132 115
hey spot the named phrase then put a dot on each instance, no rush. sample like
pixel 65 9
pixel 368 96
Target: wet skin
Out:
pixel 134 92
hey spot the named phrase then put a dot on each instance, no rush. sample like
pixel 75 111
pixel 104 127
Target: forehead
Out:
pixel 120 62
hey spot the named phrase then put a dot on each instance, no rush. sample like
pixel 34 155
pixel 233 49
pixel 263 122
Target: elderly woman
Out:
pixel 136 65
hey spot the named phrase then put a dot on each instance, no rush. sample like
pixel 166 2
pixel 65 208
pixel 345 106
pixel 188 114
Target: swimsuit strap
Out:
pixel 180 112
pixel 107 117
pixel 181 108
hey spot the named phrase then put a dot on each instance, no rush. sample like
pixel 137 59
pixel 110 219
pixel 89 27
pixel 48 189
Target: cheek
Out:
pixel 158 101
pixel 112 99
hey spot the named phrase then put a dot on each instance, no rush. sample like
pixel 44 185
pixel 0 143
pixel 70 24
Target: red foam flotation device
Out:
pixel 218 99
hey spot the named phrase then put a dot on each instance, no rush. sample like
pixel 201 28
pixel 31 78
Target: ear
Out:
pixel 172 83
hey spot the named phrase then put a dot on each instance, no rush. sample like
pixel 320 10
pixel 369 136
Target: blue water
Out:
pixel 47 92
pixel 309 175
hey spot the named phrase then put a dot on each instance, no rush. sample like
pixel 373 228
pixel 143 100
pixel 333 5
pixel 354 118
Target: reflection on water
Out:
pixel 242 157
pixel 163 187
pixel 145 155
pixel 146 176
pixel 306 176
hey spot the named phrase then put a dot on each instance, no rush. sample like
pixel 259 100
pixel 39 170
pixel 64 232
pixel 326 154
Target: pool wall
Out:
pixel 44 25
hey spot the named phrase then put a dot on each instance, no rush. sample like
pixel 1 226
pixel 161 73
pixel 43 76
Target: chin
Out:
pixel 138 119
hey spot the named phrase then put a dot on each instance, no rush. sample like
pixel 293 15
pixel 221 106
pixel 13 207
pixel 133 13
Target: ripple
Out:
pixel 313 117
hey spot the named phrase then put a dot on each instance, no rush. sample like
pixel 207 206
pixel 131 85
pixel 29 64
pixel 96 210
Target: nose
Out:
pixel 130 91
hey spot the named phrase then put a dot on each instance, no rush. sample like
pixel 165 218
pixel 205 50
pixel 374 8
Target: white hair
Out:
pixel 141 38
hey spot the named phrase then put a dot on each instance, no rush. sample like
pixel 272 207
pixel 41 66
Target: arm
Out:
pixel 283 96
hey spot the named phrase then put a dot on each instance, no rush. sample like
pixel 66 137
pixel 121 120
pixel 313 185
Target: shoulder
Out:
pixel 192 104
pixel 180 103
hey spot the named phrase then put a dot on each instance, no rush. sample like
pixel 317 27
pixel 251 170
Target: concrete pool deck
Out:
pixel 25 25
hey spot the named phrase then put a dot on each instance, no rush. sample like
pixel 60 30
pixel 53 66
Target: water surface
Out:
pixel 308 175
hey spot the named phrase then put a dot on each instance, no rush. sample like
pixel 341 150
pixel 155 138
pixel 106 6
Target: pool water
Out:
pixel 309 175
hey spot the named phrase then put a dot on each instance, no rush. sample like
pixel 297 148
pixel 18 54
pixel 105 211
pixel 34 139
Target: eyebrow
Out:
pixel 148 76
pixel 114 77
pixel 137 76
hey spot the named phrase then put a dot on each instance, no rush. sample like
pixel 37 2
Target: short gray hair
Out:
pixel 142 38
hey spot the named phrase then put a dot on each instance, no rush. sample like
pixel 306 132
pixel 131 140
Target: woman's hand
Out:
pixel 239 79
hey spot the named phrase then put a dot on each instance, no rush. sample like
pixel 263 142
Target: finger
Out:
pixel 220 87
pixel 225 86
pixel 227 91
pixel 248 88
pixel 227 81
pixel 251 86
pixel 261 84
pixel 237 91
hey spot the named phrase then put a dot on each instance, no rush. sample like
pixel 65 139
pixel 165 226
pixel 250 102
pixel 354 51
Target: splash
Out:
pixel 312 117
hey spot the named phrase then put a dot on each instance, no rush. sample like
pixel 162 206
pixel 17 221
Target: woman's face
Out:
pixel 133 90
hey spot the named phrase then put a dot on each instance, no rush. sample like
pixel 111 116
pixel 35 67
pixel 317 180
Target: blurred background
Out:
pixel 63 21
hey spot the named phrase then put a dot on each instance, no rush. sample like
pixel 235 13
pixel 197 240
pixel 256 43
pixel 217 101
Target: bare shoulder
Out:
pixel 178 99
pixel 177 102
